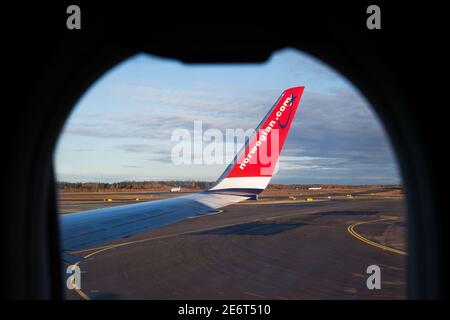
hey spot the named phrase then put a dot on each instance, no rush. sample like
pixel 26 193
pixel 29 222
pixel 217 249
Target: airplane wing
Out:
pixel 246 176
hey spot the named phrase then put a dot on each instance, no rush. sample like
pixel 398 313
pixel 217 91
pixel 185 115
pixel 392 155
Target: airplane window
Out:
pixel 233 181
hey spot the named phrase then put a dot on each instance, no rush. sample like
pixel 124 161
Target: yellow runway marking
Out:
pixel 79 291
pixel 107 247
pixel 351 230
pixel 262 202
pixel 82 294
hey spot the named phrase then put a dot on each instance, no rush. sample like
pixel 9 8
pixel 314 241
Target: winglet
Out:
pixel 252 169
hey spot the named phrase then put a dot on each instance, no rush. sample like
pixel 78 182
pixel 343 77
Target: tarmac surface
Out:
pixel 288 250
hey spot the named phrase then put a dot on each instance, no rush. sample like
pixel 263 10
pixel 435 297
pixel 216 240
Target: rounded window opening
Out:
pixel 150 207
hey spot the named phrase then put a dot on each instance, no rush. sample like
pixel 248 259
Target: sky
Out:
pixel 121 128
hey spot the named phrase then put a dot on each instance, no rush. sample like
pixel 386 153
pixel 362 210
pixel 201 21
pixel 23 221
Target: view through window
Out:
pixel 329 225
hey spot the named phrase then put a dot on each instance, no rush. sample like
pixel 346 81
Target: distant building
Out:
pixel 177 189
pixel 315 188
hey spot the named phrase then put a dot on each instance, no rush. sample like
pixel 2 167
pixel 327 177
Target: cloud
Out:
pixel 153 153
pixel 135 148
pixel 164 110
pixel 336 131
pixel 78 150
pixel 335 135
pixel 309 163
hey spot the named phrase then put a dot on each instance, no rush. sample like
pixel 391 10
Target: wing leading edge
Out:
pixel 247 175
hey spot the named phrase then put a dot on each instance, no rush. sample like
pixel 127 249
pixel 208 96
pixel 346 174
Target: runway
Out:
pixel 291 250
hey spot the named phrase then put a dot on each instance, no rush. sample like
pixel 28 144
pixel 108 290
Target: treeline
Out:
pixel 130 186
pixel 198 185
pixel 333 186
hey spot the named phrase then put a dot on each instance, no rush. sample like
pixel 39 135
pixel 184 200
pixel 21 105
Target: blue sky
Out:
pixel 121 128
